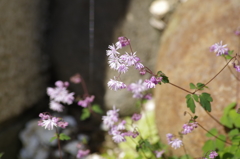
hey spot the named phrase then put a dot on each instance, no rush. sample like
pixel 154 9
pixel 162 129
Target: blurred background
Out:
pixel 42 41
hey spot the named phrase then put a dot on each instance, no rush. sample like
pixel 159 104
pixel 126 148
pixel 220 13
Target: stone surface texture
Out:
pixel 144 40
pixel 22 73
pixel 184 57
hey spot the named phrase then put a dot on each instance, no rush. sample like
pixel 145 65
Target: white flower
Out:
pixel 50 123
pixel 176 143
pixel 116 85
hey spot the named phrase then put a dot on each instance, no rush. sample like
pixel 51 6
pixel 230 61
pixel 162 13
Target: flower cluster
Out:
pixel 117 127
pixel 152 82
pixel 49 122
pixel 189 127
pixel 213 154
pixel 121 63
pixel 59 95
pixel 219 49
pixel 174 142
pixel 137 89
pixel 84 103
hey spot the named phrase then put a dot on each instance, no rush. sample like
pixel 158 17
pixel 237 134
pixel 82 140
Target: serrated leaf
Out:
pixel 53 138
pixel 212 132
pixel 200 86
pixel 63 136
pixel 192 86
pixel 85 114
pixel 205 100
pixel 165 79
pixel 96 108
pixel 190 103
pixel 195 97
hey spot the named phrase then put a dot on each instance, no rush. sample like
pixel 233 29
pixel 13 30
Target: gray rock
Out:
pixel 184 57
pixel 22 63
pixel 144 39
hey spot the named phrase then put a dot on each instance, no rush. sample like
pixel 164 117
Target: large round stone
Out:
pixel 184 57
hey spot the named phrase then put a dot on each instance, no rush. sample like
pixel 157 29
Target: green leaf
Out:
pixel 195 117
pixel 208 145
pixel 96 108
pixel 220 143
pixel 228 155
pixel 205 100
pixel 201 86
pixel 165 79
pixel 212 131
pixel 195 97
pixel 62 136
pixel 235 117
pixel 225 119
pixel 192 86
pixel 190 103
pixel 1 154
pixel 53 138
pixel 233 132
pixel 85 114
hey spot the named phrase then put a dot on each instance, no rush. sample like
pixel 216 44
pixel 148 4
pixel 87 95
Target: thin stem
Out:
pixel 215 75
pixel 59 145
pixel 214 118
pixel 180 88
pixel 214 135
pixel 185 151
pixel 84 87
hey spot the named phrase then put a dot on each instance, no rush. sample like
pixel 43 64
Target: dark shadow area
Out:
pixel 69 47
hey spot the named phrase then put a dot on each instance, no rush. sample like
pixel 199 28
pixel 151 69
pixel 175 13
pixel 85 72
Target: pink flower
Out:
pixel 136 117
pixel 118 137
pixel 213 154
pixel 219 49
pixel 159 153
pixel 237 67
pixel 189 127
pixel 49 122
pixel 137 89
pixel 86 101
pixel 56 106
pixel 169 137
pixel 76 78
pixel 82 153
pixel 122 42
pixel 116 85
pixel 129 59
pixel 113 51
pixel 149 84
pixel 176 143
